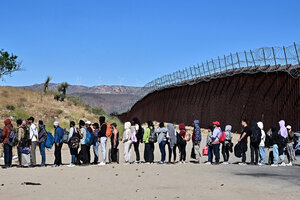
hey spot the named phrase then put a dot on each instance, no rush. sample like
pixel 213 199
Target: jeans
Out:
pixel 182 151
pixel 57 154
pixel 275 154
pixel 290 153
pixel 74 156
pixel 84 154
pixel 162 148
pixel 281 154
pixel 262 154
pixel 127 151
pixel 197 152
pixel 210 153
pixel 43 154
pixel 103 148
pixel 96 152
pixel 172 151
pixel 216 149
pixel 254 153
pixel 225 152
pixel 20 149
pixel 136 149
pixel 32 153
pixel 7 155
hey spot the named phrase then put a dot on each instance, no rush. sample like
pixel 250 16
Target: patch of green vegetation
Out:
pixel 19 113
pixel 76 101
pixel 10 107
pixel 59 111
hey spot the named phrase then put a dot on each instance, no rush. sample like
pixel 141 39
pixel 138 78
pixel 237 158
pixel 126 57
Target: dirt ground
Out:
pixel 145 181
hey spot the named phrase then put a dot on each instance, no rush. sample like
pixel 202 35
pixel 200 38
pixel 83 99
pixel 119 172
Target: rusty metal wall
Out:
pixel 269 97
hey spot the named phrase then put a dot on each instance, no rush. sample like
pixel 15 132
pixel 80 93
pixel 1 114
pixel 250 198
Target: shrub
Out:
pixel 10 107
pixel 59 111
pixel 19 113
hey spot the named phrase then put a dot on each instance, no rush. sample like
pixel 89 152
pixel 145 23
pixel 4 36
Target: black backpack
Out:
pixel 255 135
pixel 12 138
pixel 75 140
pixel 238 150
pixel 1 140
pixel 153 136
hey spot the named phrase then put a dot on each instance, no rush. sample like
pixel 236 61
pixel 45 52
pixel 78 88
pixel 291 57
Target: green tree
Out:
pixel 62 88
pixel 8 63
pixel 46 84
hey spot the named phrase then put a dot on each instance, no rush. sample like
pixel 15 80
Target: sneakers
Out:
pixel 208 163
pixel 290 164
pixel 282 164
pixel 137 162
pixel 242 164
pixel 161 163
pixel 102 164
pixel 2 158
pixel 71 165
pixel 55 165
pixel 225 163
pixel 274 165
pixel 261 164
pixel 15 157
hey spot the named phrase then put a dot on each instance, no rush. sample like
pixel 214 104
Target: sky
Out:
pixel 131 42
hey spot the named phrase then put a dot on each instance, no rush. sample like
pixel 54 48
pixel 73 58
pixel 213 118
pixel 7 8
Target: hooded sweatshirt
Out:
pixel 197 132
pixel 182 130
pixel 283 130
pixel 127 132
pixel 162 134
pixel 6 130
pixel 172 134
pixel 263 134
pixel 228 133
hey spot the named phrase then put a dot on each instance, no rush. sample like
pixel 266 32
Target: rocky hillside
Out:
pixel 110 98
pixel 18 103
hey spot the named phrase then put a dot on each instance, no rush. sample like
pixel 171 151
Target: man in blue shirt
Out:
pixel 58 135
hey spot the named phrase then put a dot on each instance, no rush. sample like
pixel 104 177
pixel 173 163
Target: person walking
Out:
pixel 103 139
pixel 74 139
pixel 255 139
pixel 114 138
pixel 182 143
pixel 262 144
pixel 96 143
pixel 209 145
pixel 139 132
pixel 42 137
pixel 243 140
pixel 149 146
pixel 215 141
pixel 33 135
pixel 197 140
pixel 58 135
pixel 290 143
pixel 172 143
pixel 83 155
pixel 283 137
pixel 127 142
pixel 8 127
pixel 227 144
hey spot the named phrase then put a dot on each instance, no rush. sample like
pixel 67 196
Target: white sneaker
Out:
pixel 15 157
pixel 242 164
pixel 102 164
pixel 282 164
pixel 290 164
pixel 260 164
pixel 208 163
pixel 71 165
pixel 2 158
pixel 274 165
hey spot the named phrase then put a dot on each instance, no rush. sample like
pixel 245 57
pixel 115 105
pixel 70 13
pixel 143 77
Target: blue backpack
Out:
pixel 90 138
pixel 49 141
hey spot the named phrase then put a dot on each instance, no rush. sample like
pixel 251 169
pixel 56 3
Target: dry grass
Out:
pixel 43 107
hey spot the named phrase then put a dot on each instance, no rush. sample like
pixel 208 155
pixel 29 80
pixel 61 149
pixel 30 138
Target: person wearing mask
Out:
pixel 275 140
pixel 255 138
pixel 283 135
pixel 197 140
pixel 73 149
pixel 114 138
pixel 21 137
pixel 149 146
pixel 182 144
pixel 83 153
pixel 42 136
pixel 96 144
pixel 172 143
pixel 209 145
pixel 103 139
pixel 33 135
pixel 88 125
pixel 162 141
pixel 58 135
pixel 215 141
pixel 127 142
pixel 227 144
pixel 262 144
pixel 290 150
pixel 243 140
pixel 138 131
pixel 8 127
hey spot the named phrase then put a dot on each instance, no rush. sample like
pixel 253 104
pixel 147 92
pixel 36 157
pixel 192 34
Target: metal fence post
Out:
pixel 237 55
pixel 213 65
pixel 285 56
pixel 297 53
pixel 208 67
pixel 225 62
pixel 252 58
pixel 246 58
pixel 199 69
pixel 264 56
pixel 220 64
pixel 203 68
pixel 232 61
pixel 274 56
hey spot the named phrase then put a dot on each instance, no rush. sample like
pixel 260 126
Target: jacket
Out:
pixel 127 132
pixel 6 130
pixel 58 134
pixel 197 132
pixel 216 135
pixel 182 130
pixel 33 133
pixel 162 134
pixel 42 134
pixel 263 134
pixel 147 134
pixel 228 133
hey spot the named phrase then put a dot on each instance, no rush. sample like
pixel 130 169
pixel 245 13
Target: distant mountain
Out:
pixel 110 98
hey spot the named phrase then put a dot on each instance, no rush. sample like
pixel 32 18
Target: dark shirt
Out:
pixel 102 132
pixel 248 133
pixel 42 134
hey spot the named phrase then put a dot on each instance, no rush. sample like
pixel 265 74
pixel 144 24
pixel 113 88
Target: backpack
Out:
pixel 74 141
pixel 255 135
pixel 65 137
pixel 1 140
pixel 238 150
pixel 108 130
pixel 90 138
pixel 152 136
pixel 222 137
pixel 12 138
pixel 49 141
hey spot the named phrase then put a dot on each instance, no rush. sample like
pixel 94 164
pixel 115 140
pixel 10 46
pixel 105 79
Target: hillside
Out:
pixel 110 98
pixel 21 103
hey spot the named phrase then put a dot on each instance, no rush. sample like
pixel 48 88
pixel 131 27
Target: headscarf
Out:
pixel 283 130
pixel 173 138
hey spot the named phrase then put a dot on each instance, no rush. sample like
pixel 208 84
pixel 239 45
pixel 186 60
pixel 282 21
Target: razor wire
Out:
pixel 266 59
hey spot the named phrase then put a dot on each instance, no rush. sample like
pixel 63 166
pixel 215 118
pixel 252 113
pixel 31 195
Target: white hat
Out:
pixel 56 123
pixel 288 127
pixel 88 122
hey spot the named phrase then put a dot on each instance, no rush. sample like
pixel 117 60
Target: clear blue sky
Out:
pixel 131 42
